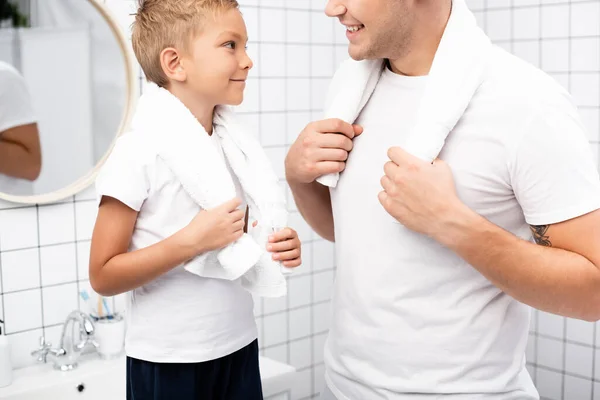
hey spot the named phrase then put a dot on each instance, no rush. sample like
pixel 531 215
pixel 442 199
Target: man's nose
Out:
pixel 335 8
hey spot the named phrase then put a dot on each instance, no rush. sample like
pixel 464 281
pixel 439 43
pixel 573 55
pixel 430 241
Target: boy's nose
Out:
pixel 246 62
pixel 335 8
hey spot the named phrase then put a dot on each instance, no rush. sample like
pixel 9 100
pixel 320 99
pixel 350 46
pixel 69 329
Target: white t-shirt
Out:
pixel 411 319
pixel 179 317
pixel 16 110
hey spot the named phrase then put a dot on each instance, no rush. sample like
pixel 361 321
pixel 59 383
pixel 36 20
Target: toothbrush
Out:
pixel 86 298
pixel 99 307
pixel 108 314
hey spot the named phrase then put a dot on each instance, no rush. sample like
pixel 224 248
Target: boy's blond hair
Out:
pixel 169 23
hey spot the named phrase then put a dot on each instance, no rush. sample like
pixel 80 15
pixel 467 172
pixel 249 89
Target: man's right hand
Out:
pixel 321 148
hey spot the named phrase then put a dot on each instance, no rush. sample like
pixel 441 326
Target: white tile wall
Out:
pixel 44 250
pixel 563 38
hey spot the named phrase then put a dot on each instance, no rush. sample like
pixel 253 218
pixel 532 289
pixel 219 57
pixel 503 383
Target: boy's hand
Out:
pixel 215 228
pixel 285 246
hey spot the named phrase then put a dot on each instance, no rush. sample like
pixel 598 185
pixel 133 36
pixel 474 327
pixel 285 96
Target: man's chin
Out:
pixel 358 53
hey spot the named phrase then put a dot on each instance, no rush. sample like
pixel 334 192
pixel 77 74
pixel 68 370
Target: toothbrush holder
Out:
pixel 110 336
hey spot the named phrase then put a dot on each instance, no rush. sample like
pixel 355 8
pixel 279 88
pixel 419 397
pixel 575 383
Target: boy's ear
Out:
pixel 170 61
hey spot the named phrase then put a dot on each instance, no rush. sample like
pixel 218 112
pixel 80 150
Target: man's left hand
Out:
pixel 420 195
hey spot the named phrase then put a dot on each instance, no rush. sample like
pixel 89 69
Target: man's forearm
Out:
pixel 314 203
pixel 546 278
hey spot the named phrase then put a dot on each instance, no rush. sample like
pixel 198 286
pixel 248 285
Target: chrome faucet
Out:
pixel 65 357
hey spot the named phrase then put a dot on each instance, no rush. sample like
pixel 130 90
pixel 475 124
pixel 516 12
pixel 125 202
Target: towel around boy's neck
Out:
pixel 187 149
pixel 457 71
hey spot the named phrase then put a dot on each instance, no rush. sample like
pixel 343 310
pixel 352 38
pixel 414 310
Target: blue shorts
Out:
pixel 233 377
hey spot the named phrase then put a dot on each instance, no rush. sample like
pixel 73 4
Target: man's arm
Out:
pixel 20 152
pixel 560 274
pixel 314 203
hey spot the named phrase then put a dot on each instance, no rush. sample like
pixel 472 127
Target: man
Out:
pixel 436 267
pixel 20 153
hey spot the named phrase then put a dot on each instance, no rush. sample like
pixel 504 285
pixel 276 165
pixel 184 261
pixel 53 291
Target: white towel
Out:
pixel 456 74
pixel 184 145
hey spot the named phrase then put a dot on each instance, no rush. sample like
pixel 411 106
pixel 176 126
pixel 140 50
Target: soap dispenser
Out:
pixel 5 363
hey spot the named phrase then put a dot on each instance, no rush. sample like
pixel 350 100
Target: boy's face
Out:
pixel 217 64
pixel 376 28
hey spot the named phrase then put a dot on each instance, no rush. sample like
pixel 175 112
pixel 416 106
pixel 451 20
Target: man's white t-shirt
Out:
pixel 16 109
pixel 179 317
pixel 410 318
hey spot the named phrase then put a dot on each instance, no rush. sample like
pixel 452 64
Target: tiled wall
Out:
pixel 44 249
pixel 563 38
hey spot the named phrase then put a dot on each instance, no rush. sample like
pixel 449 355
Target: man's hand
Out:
pixel 420 195
pixel 321 148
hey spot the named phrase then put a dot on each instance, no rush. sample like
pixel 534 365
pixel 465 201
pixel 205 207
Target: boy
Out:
pixel 188 337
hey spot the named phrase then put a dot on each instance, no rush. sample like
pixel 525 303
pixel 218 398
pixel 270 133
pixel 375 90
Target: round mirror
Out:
pixel 67 90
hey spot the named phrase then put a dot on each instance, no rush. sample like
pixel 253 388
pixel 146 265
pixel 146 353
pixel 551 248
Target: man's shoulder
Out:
pixel 517 86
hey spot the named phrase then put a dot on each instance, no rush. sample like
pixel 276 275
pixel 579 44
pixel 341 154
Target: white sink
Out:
pixel 96 379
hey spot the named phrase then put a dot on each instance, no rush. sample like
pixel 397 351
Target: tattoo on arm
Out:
pixel 540 236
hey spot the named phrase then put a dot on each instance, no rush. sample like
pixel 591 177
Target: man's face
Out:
pixel 375 28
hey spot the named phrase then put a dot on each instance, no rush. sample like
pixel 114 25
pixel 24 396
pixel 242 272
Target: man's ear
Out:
pixel 171 63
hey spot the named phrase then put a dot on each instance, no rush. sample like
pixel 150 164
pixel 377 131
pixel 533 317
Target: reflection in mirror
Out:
pixel 63 93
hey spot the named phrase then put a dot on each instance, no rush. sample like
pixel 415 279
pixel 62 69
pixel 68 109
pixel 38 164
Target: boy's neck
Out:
pixel 203 111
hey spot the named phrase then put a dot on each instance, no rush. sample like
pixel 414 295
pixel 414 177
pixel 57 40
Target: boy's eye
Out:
pixel 230 45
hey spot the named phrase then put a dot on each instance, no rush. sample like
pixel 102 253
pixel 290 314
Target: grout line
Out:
pixel 594 358
pixel 258 88
pixel 302 307
pixel 540 5
pixel 310 284
pixel 286 122
pixel 34 329
pixel 565 373
pixel 536 343
pixel 41 288
pixel 288 342
pixel 2 286
pixel 545 39
pixel 560 340
pixel 569 82
pixel 76 253
pixel 78 241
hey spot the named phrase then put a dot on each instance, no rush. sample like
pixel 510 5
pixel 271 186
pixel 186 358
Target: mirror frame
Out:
pixel 132 94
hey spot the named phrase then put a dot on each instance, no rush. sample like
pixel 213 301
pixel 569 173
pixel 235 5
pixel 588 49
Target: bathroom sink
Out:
pixel 97 379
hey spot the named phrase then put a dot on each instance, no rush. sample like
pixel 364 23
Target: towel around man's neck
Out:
pixel 457 71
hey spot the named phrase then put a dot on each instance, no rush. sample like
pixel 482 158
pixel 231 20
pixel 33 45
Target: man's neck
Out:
pixel 203 111
pixel 431 24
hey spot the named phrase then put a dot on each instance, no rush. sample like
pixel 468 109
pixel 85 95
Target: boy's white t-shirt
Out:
pixel 410 318
pixel 179 317
pixel 16 109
